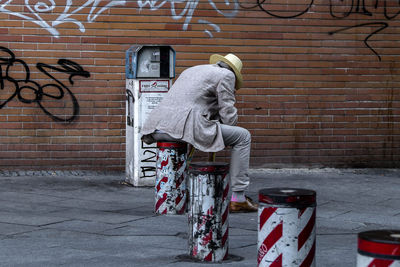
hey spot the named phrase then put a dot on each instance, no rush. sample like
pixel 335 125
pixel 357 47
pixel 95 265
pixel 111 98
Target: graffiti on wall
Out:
pixel 230 9
pixel 341 9
pixel 15 76
pixel 38 11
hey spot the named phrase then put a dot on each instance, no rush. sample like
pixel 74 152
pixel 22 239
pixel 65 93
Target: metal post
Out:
pixel 170 197
pixel 379 248
pixel 286 227
pixel 208 211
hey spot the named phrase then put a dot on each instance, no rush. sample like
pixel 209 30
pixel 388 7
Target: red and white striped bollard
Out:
pixel 286 227
pixel 379 248
pixel 170 186
pixel 208 211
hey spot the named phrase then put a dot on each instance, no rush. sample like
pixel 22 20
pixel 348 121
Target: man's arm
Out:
pixel 226 100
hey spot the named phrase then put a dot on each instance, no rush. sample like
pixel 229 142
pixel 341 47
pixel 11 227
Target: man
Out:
pixel 199 109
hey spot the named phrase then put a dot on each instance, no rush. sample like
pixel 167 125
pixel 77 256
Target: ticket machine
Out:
pixel 149 73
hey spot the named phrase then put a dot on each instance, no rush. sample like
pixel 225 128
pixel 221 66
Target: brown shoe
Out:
pixel 246 206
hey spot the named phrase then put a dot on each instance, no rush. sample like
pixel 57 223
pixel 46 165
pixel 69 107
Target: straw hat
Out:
pixel 234 62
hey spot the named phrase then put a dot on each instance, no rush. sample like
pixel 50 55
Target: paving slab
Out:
pixel 369 217
pixel 95 215
pixel 22 197
pixel 91 204
pixel 12 229
pixel 336 250
pixel 154 225
pixel 27 207
pixel 81 226
pixel 28 219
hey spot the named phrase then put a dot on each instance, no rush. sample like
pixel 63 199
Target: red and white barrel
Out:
pixel 208 211
pixel 286 227
pixel 379 248
pixel 170 186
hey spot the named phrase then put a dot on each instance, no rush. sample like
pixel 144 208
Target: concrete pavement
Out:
pixel 90 219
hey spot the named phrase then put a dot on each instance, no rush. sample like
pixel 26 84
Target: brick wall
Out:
pixel 321 77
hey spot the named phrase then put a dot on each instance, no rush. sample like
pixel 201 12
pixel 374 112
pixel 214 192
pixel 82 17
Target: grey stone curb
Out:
pixel 43 173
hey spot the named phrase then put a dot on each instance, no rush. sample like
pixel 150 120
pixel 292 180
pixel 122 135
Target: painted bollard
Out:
pixel 286 227
pixel 170 186
pixel 208 211
pixel 379 248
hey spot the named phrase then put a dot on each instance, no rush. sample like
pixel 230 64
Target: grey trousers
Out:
pixel 240 140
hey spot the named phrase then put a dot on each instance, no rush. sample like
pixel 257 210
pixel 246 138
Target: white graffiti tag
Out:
pixel 229 10
pixel 41 12
pixel 38 9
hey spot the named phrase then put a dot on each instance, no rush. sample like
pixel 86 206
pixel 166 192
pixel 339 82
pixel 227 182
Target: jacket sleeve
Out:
pixel 226 100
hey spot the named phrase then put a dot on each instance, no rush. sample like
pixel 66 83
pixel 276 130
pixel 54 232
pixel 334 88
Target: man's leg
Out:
pixel 240 141
pixel 161 136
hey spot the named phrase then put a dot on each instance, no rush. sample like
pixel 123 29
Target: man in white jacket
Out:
pixel 199 109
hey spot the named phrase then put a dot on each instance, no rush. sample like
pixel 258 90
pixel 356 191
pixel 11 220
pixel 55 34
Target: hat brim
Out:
pixel 239 78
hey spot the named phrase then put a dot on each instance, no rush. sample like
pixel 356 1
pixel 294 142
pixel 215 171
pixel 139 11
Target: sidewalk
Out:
pixel 91 219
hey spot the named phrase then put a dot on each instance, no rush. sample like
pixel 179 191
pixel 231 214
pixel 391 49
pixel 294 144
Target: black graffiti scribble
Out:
pixel 381 25
pixel 359 7
pixel 260 5
pixel 148 168
pixel 147 172
pixel 353 7
pixel 130 100
pixel 39 91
